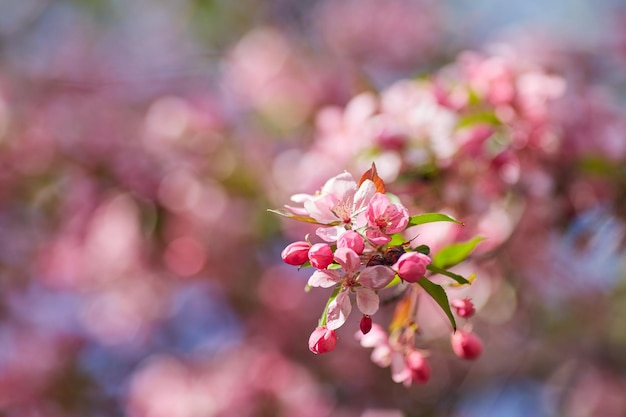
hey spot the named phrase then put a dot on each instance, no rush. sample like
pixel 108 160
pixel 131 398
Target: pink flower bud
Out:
pixel 352 240
pixel 322 340
pixel 466 345
pixel 411 266
pixel 420 370
pixel 464 307
pixel 366 324
pixel 321 255
pixel 296 253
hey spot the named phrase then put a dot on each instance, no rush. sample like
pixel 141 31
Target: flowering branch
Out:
pixel 359 255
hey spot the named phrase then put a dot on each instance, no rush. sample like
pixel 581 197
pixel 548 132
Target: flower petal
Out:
pixel 330 234
pixel 376 209
pixel 301 197
pixel 367 301
pixel 298 211
pixel 376 277
pixel 324 278
pixel 399 371
pixel 398 218
pixel 320 208
pixel 381 355
pixel 348 259
pixel 377 237
pixel 376 337
pixel 364 194
pixel 340 185
pixel 338 311
pixel 353 240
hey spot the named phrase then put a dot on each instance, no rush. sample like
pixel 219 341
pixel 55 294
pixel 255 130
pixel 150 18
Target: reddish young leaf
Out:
pixel 372 174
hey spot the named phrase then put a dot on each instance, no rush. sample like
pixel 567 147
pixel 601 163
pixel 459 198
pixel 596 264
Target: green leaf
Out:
pixel 458 278
pixel 455 253
pixel 599 166
pixel 488 117
pixel 425 249
pixel 395 281
pixel 396 239
pixel 290 215
pixel 430 218
pixel 307 264
pixel 439 295
pixel 474 98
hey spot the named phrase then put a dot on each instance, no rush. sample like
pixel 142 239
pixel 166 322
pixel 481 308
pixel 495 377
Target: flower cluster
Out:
pixel 359 251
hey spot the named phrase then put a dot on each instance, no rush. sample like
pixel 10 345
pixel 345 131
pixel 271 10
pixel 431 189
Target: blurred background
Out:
pixel 141 143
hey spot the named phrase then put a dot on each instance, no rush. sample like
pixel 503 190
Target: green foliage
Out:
pixel 479 118
pixel 425 249
pixel 455 253
pixel 430 218
pixel 439 295
pixel 458 278
pixel 396 239
pixel 395 281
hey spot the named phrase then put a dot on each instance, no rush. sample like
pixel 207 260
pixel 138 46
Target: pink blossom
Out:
pixel 466 345
pixel 322 340
pixel 340 204
pixel 491 77
pixel 378 339
pixel 400 373
pixel 347 198
pixel 367 300
pixel 324 278
pixel 375 337
pixel 296 253
pixel 320 255
pixel 409 367
pixel 363 283
pixel 377 237
pixel 338 310
pixel 376 277
pixel 349 260
pixel 353 240
pixel 418 366
pixel 412 266
pixel 464 307
pixel 385 218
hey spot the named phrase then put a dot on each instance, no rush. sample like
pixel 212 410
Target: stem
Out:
pixel 323 319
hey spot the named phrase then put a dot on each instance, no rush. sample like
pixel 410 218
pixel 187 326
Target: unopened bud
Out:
pixel 321 255
pixel 296 253
pixel 417 364
pixel 411 266
pixel 464 307
pixel 353 240
pixel 366 324
pixel 322 340
pixel 466 345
